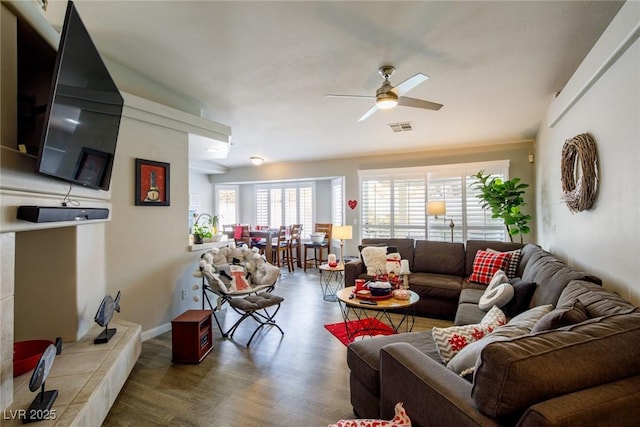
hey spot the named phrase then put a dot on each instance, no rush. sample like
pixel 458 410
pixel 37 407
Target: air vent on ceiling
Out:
pixel 401 126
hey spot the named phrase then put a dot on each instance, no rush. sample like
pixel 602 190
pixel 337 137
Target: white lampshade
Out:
pixel 342 232
pixel 436 208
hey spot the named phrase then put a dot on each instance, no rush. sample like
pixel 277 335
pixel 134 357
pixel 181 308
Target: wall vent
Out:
pixel 401 126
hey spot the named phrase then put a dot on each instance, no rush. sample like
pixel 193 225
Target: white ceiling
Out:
pixel 263 67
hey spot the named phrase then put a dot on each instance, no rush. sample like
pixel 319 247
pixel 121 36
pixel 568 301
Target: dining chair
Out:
pixel 280 249
pixel 318 248
pixel 295 245
pixel 241 235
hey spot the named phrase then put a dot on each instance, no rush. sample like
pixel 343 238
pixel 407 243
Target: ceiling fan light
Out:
pixel 384 101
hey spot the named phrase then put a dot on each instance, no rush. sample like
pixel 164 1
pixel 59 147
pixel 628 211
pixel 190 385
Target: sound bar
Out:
pixel 60 213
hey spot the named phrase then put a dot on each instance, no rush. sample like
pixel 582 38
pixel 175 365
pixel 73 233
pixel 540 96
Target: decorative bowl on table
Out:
pixel 379 289
pixel 317 237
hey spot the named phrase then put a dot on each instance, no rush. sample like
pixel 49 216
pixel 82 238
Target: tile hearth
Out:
pixel 88 378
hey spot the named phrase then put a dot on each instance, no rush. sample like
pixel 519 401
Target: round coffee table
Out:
pixel 361 318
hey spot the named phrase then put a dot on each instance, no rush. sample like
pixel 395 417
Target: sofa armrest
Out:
pixel 612 404
pixel 431 394
pixel 352 270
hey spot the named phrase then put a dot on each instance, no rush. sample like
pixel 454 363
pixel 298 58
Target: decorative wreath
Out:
pixel 579 185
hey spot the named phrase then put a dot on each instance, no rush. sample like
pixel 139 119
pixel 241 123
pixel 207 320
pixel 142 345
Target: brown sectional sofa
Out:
pixel 438 270
pixel 584 374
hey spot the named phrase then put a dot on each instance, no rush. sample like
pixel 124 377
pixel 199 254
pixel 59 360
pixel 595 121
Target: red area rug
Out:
pixel 358 328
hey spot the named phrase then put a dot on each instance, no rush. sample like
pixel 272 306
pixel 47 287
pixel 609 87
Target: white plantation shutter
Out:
pixel 394 203
pixel 305 203
pixel 262 206
pixel 227 206
pixel 409 207
pixel 285 204
pixel 376 207
pixel 337 202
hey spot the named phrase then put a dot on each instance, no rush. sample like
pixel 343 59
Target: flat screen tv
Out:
pixel 82 118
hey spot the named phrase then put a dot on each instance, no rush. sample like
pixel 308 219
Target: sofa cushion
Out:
pixel 510 376
pixel 486 264
pixel 560 317
pixel 551 275
pixel 361 247
pixel 363 357
pixel 522 293
pixel 439 258
pixel 438 286
pixel 473 246
pixel 520 325
pixel 375 259
pixel 514 261
pixel 597 300
pixel 449 341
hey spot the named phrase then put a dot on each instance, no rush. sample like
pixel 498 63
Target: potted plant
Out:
pixel 205 226
pixel 504 198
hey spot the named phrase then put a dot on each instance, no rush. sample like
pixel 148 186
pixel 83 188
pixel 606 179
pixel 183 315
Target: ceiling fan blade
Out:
pixel 330 95
pixel 410 83
pixel 418 103
pixel 369 113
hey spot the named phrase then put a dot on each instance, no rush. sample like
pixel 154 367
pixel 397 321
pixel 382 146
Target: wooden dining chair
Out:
pixel 280 249
pixel 295 245
pixel 318 248
pixel 241 235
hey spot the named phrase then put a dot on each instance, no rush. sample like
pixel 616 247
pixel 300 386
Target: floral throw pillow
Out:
pixel 486 264
pixel 449 341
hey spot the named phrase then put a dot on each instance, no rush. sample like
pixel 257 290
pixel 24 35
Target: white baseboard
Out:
pixel 158 330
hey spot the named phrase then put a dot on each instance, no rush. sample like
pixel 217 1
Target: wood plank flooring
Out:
pixel 299 379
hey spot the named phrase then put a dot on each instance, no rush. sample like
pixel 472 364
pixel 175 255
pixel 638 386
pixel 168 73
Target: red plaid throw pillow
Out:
pixel 486 264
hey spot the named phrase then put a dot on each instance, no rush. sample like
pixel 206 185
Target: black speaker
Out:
pixel 60 213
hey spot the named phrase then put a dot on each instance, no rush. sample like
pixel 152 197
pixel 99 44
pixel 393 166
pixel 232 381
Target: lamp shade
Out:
pixel 436 208
pixel 342 232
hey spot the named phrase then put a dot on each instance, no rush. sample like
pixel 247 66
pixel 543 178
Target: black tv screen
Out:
pixel 82 118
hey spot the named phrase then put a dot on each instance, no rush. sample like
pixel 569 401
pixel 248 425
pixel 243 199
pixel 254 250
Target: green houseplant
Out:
pixel 204 227
pixel 505 200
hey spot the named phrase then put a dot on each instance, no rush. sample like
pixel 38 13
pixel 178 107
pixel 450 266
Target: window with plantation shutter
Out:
pixel 337 201
pixel 226 203
pixel 285 204
pixel 394 203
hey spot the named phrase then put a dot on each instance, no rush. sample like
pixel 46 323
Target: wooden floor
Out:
pixel 299 379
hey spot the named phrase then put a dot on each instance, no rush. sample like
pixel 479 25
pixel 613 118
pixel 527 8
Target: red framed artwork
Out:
pixel 152 183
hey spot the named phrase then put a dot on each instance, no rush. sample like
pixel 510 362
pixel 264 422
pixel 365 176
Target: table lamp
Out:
pixel 342 232
pixel 439 207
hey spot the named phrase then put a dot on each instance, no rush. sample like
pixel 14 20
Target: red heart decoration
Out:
pixel 352 203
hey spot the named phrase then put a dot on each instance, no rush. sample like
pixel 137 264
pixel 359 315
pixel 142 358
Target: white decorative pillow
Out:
pixel 499 295
pixel 375 258
pixel 499 277
pixel 449 341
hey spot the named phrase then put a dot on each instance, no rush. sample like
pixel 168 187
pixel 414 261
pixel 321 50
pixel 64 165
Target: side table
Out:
pixel 331 280
pixel 191 336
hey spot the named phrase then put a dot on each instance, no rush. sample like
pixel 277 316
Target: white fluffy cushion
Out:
pixel 375 258
pixel 449 341
pixel 499 292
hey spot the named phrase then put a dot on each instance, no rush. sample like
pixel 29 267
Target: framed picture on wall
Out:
pixel 152 183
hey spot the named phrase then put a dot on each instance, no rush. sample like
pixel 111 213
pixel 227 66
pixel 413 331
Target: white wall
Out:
pixel 606 239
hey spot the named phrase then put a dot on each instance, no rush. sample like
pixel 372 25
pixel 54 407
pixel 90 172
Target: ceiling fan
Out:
pixel 388 96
